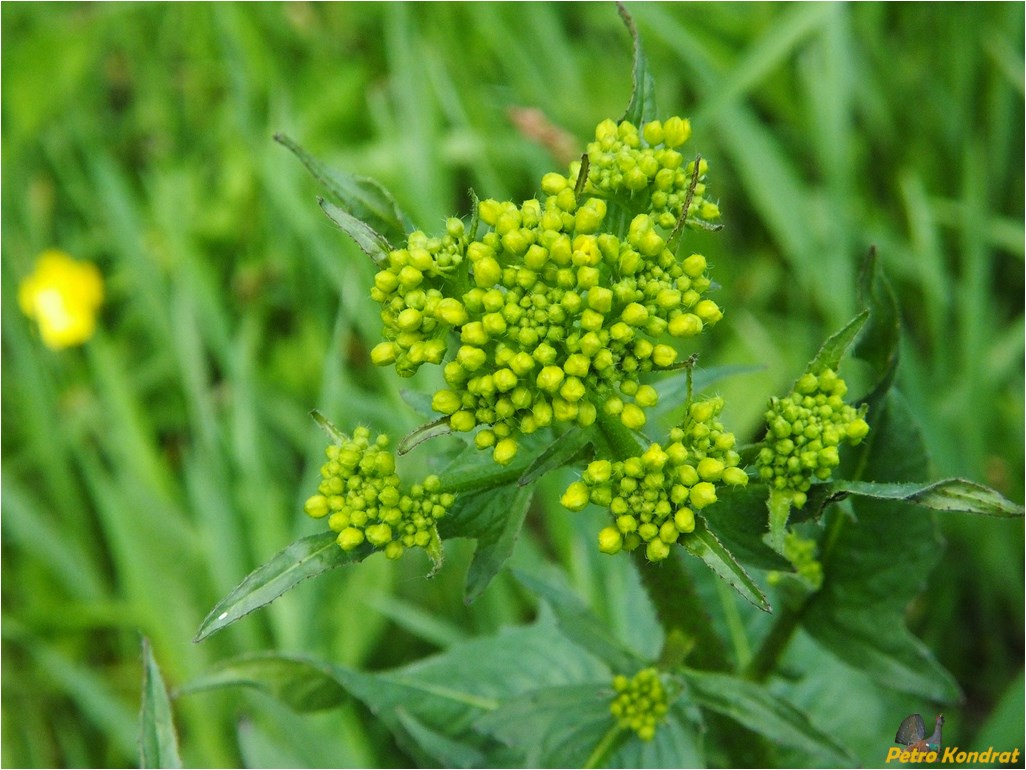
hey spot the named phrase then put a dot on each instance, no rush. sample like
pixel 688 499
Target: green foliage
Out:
pixel 148 472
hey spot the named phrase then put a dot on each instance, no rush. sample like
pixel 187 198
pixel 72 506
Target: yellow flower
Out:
pixel 63 297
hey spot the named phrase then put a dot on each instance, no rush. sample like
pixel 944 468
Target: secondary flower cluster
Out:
pixel 556 316
pixel 640 702
pixel 804 430
pixel 626 161
pixel 365 500
pixel 653 498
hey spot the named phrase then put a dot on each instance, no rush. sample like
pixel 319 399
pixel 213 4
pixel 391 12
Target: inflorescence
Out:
pixel 640 703
pixel 804 430
pixel 556 316
pixel 365 500
pixel 653 498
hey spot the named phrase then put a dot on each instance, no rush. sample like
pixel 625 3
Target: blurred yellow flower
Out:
pixel 63 297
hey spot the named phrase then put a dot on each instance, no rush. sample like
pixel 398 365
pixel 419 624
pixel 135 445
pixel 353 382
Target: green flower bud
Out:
pixel 487 272
pixel 473 333
pixel 550 378
pixel 572 390
pixel 378 534
pixel 635 314
pixel 702 494
pixel 653 132
pixel 735 477
pixel 857 430
pixel 600 299
pixel 708 311
pixel 590 215
pixel 646 396
pixel 553 184
pixel 710 469
pixel 684 520
pixel 657 550
pixel 471 358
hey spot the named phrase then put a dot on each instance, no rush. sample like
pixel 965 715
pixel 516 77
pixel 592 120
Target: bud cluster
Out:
pixel 364 499
pixel 653 498
pixel 556 317
pixel 640 703
pixel 627 162
pixel 802 552
pixel 804 430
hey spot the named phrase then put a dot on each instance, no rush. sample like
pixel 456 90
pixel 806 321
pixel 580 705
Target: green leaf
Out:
pixel 705 545
pixel 581 625
pixel 474 469
pixel 301 560
pixel 449 692
pixel 557 454
pixel 371 242
pixel 443 750
pixel 778 503
pixel 300 683
pixel 754 707
pixel 737 520
pixel 553 727
pixel 881 337
pixel 958 495
pixel 642 106
pixel 158 742
pixel 875 565
pixel 677 743
pixel 493 517
pixel 833 350
pixel 364 198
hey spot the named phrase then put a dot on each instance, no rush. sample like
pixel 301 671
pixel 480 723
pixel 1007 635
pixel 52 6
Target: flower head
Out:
pixel 803 431
pixel 62 296
pixel 554 311
pixel 364 499
pixel 652 498
pixel 640 703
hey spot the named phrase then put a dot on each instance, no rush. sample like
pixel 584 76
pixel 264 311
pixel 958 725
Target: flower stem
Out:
pixel 669 585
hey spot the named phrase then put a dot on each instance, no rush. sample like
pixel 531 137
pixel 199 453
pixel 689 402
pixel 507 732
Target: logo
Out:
pixel 920 748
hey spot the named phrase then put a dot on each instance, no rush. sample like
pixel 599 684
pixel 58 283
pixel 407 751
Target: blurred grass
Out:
pixel 145 474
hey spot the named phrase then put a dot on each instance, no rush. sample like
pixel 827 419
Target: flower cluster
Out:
pixel 365 500
pixel 802 552
pixel 640 702
pixel 653 498
pixel 629 162
pixel 63 296
pixel 804 430
pixel 556 316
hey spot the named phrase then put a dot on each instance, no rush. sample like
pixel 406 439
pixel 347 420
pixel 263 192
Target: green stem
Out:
pixel 612 738
pixel 786 623
pixel 668 584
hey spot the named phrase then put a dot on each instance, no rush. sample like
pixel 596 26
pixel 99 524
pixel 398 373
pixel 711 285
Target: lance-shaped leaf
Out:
pixel 754 707
pixel 581 625
pixel 371 242
pixel 642 106
pixel 444 751
pixel 830 354
pixel 875 565
pixel 363 197
pixel 957 495
pixel 705 545
pixel 494 518
pixel 879 342
pixel 557 454
pixel 301 683
pixel 301 560
pixel 158 742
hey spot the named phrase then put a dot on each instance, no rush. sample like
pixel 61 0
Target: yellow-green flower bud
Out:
pixel 735 477
pixel 676 131
pixel 577 365
pixel 589 216
pixel 663 356
pixel 572 390
pixel 485 439
pixel 576 496
pixel 550 378
pixel 646 396
pixel 600 299
pixel 505 451
pixel 702 494
pixel 857 430
pixel 708 311
pixel 384 353
pixel 487 272
pixel 635 314
pixel 684 520
pixel 685 325
pixel 349 538
pixel 471 358
pixel 462 421
pixel 316 506
pixel 378 534
pixel 386 281
pixel 653 132
pixel 657 550
pixel 694 266
pixel 553 183
pixel 489 211
pixel 610 540
pixel 632 416
pixel 710 469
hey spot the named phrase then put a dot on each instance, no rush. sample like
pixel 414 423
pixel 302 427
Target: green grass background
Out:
pixel 146 473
